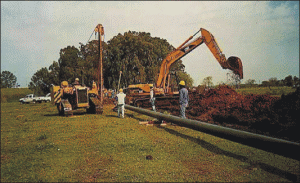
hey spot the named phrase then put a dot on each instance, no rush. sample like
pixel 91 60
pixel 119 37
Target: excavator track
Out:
pixel 65 108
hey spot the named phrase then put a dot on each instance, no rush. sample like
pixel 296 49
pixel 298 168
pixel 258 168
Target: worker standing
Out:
pixel 183 98
pixel 113 93
pixel 152 99
pixel 121 102
pixel 76 82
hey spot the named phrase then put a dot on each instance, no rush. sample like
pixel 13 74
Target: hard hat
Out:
pixel 64 83
pixel 121 90
pixel 182 83
pixel 76 79
pixel 94 85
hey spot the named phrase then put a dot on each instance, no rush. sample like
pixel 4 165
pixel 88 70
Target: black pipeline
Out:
pixel 269 144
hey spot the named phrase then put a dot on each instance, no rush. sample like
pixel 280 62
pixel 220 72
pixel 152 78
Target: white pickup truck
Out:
pixel 46 98
pixel 29 98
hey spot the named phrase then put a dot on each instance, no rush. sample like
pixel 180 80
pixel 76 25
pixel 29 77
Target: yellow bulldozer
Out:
pixel 69 97
pixel 139 93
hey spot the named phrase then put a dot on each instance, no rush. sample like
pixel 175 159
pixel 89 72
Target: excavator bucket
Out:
pixel 236 66
pixel 232 63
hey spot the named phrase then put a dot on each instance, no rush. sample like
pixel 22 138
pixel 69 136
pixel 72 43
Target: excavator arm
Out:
pixel 233 63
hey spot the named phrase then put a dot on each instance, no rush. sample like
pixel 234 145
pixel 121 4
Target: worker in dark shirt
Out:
pixel 183 98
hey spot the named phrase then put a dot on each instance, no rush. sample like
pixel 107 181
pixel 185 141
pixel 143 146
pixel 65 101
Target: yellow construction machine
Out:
pixel 138 93
pixel 68 98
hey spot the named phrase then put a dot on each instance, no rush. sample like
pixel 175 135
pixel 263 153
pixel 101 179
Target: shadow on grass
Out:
pixel 128 115
pixel 74 114
pixel 214 149
pixel 134 117
pixel 51 114
pixel 112 116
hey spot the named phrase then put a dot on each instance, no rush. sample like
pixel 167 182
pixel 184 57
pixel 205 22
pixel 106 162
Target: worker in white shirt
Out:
pixel 121 102
pixel 152 99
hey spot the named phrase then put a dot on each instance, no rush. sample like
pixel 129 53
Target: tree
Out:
pixel 250 82
pixel 296 81
pixel 8 79
pixel 89 62
pixel 54 73
pixel 136 54
pixel 273 81
pixel 207 82
pixel 68 64
pixel 288 81
pixel 41 82
pixel 233 79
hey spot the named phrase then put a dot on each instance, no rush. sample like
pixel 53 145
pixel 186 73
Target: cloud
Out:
pixel 265 35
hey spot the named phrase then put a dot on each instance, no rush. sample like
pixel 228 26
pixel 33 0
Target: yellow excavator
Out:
pixel 138 93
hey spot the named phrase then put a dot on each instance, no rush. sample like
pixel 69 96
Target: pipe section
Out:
pixel 269 144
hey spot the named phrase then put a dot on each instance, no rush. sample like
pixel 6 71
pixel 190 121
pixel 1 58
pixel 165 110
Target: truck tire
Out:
pixel 33 101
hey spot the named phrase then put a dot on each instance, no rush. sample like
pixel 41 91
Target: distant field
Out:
pixel 37 145
pixel 13 94
pixel 276 91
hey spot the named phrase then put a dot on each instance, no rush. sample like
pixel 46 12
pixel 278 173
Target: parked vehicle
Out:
pixel 30 98
pixel 46 98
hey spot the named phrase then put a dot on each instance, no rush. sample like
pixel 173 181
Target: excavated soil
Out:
pixel 264 114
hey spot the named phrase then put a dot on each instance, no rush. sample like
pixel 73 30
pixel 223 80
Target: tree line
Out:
pixel 289 81
pixel 136 54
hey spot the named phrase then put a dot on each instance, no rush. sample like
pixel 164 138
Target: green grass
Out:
pixel 13 94
pixel 38 145
pixel 275 91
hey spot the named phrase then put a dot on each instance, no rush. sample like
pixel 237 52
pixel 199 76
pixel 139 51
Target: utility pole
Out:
pixel 119 81
pixel 100 29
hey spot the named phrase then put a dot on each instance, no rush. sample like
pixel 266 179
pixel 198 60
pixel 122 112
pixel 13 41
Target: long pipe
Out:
pixel 269 144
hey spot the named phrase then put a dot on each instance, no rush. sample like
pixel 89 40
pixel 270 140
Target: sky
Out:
pixel 263 34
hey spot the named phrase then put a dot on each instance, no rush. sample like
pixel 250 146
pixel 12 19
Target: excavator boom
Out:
pixel 138 94
pixel 233 63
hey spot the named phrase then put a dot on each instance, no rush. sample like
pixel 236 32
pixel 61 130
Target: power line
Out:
pixel 90 36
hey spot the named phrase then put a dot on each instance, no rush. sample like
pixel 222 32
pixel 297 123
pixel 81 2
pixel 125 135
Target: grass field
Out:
pixel 13 94
pixel 38 145
pixel 275 91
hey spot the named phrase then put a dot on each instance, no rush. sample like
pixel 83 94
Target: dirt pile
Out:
pixel 285 114
pixel 225 105
pixel 265 114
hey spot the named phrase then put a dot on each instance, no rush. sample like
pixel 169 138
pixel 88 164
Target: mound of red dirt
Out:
pixel 277 116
